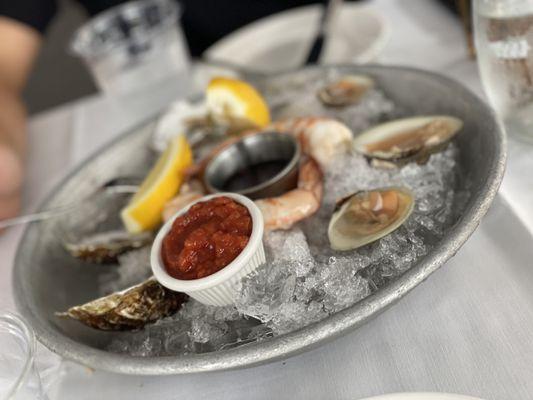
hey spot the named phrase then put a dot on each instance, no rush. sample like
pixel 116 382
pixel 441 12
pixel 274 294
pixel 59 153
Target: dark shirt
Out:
pixel 203 21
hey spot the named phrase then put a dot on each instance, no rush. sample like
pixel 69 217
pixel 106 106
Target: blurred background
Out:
pixel 59 77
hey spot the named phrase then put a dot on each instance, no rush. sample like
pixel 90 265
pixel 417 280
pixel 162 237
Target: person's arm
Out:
pixel 18 49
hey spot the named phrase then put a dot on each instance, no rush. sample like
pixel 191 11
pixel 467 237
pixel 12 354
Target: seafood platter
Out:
pixel 259 219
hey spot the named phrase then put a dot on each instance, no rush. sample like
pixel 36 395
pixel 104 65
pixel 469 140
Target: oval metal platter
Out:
pixel 45 279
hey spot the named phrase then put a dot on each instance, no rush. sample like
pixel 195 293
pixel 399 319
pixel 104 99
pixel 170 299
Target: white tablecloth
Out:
pixel 466 330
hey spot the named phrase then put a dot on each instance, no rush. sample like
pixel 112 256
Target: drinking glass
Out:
pixel 19 380
pixel 133 46
pixel 504 44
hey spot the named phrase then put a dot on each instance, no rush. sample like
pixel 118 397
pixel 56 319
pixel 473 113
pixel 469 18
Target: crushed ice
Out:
pixel 304 281
pixel 134 268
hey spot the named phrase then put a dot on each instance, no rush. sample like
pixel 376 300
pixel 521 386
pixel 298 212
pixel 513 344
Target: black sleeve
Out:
pixel 35 13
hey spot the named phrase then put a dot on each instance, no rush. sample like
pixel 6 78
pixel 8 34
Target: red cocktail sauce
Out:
pixel 209 236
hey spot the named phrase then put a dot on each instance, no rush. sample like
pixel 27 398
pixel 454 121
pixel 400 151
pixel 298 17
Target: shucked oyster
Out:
pixel 129 309
pixel 345 91
pixel 398 142
pixel 367 216
pixel 104 248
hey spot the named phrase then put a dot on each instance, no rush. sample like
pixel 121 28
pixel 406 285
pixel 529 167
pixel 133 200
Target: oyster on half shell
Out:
pixel 367 216
pixel 345 91
pixel 129 309
pixel 398 142
pixel 104 248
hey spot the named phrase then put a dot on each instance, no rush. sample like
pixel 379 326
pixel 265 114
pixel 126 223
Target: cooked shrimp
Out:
pixel 321 140
pixel 321 137
pixel 284 211
pixel 278 212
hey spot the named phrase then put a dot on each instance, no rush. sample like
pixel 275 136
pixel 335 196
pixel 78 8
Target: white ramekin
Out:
pixel 222 287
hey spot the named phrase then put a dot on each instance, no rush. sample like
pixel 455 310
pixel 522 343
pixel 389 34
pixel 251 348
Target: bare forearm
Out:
pixel 12 151
pixel 12 121
pixel 18 48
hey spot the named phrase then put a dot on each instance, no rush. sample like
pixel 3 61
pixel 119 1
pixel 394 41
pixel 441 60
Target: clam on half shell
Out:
pixel 401 141
pixel 345 91
pixel 367 216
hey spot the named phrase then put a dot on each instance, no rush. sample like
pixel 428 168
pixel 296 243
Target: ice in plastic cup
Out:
pixel 133 46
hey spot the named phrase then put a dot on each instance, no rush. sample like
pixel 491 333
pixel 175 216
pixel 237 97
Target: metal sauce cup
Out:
pixel 253 150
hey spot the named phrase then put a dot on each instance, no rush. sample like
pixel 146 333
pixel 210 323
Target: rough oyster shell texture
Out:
pixel 129 309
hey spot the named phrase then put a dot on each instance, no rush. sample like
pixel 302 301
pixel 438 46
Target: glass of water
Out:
pixel 19 379
pixel 133 46
pixel 504 43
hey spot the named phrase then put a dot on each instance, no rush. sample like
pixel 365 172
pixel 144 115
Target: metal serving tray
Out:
pixel 46 279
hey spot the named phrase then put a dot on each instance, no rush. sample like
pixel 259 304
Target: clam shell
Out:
pixel 398 142
pixel 129 309
pixel 346 230
pixel 345 91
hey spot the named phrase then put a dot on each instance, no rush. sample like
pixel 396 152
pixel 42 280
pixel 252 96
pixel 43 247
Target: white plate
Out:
pixel 282 41
pixel 422 396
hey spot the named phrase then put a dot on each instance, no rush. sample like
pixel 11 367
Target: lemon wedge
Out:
pixel 232 100
pixel 144 210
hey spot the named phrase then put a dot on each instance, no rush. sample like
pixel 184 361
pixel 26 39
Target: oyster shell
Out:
pixel 398 142
pixel 345 91
pixel 367 216
pixel 104 248
pixel 193 118
pixel 129 309
pixel 183 116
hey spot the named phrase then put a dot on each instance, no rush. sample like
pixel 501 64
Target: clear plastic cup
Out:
pixel 133 46
pixel 18 377
pixel 504 45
